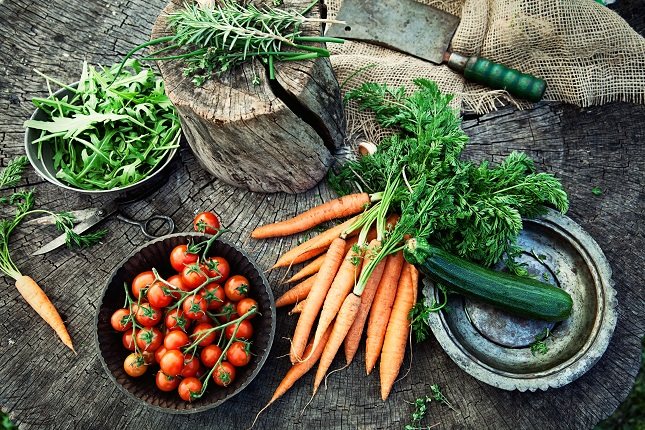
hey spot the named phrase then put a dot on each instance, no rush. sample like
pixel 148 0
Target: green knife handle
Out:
pixel 497 76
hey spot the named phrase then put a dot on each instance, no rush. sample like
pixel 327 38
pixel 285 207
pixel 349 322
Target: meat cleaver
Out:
pixel 425 32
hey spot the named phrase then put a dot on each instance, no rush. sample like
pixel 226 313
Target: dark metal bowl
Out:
pixel 112 354
pixel 45 167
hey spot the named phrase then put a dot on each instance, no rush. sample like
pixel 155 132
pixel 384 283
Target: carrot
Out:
pixel 344 321
pixel 298 370
pixel 314 266
pixel 337 208
pixel 340 288
pixel 316 297
pixel 353 338
pixel 380 312
pixel 318 244
pixel 38 300
pixel 297 293
pixel 398 329
pixel 297 309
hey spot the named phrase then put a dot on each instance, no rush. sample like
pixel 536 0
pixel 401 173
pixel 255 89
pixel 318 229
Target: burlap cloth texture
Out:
pixel 587 54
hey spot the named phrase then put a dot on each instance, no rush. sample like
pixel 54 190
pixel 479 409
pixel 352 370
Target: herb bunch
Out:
pixel 213 39
pixel 113 130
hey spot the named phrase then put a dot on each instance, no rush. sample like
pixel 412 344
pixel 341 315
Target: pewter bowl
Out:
pixel 495 347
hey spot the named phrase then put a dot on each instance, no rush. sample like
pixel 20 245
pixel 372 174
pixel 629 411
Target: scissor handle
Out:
pixel 145 225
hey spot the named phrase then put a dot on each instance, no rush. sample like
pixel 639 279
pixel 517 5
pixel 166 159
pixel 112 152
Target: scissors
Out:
pixel 88 218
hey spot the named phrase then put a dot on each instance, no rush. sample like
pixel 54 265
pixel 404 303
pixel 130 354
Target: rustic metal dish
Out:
pixel 495 347
pixel 45 167
pixel 108 342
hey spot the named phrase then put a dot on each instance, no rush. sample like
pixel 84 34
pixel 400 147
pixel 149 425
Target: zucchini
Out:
pixel 525 297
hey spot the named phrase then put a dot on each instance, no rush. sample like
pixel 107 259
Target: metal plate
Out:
pixel 404 25
pixel 495 347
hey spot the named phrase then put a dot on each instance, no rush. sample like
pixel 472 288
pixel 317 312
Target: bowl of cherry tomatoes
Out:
pixel 185 323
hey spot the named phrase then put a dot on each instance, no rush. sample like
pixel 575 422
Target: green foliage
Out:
pixel 113 130
pixel 10 175
pixel 539 346
pixel 472 210
pixel 596 191
pixel 421 405
pixel 5 422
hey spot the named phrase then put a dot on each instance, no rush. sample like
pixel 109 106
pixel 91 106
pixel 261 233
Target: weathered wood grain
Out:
pixel 256 133
pixel 45 386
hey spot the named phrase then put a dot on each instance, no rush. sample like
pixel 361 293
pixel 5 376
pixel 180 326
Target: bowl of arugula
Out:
pixel 112 131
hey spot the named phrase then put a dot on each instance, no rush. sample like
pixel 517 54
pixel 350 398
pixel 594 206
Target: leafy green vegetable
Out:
pixel 23 202
pixel 213 39
pixel 113 129
pixel 540 346
pixel 420 312
pixel 421 407
pixel 10 175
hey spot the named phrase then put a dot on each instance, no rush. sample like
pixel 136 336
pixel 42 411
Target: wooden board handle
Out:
pixel 497 76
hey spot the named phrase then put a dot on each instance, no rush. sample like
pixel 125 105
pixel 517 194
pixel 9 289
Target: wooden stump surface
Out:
pixel 46 386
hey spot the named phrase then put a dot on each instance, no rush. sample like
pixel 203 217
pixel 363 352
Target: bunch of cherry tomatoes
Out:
pixel 195 325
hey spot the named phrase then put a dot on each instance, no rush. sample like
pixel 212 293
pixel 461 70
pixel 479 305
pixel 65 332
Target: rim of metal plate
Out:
pixel 560 373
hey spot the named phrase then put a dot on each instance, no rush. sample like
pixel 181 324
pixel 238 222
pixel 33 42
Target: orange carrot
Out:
pixel 343 283
pixel 380 312
pixel 297 293
pixel 297 309
pixel 316 297
pixel 303 251
pixel 38 300
pixel 298 370
pixel 344 321
pixel 353 338
pixel 337 208
pixel 314 266
pixel 398 329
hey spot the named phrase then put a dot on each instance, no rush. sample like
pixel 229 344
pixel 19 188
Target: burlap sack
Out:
pixel 587 54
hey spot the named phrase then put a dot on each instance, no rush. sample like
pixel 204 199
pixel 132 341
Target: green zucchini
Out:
pixel 525 297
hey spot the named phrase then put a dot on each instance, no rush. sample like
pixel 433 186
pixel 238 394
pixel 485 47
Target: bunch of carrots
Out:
pixel 345 287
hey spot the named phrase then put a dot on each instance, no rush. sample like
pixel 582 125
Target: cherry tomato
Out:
pixel 141 281
pixel 179 257
pixel 148 316
pixel 245 305
pixel 193 276
pixel 128 340
pixel 194 307
pixel 172 362
pixel 206 222
pixel 149 339
pixel 210 355
pixel 218 268
pixel 228 312
pixel 189 389
pixel 202 327
pixel 239 354
pixel 134 365
pixel 224 374
pixel 120 320
pixel 214 295
pixel 203 319
pixel 175 319
pixel 159 295
pixel 237 288
pixel 191 366
pixel 175 339
pixel 177 282
pixel 165 382
pixel 160 353
pixel 244 332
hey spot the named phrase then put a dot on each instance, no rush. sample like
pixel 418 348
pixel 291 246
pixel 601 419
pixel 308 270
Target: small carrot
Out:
pixel 314 266
pixel 380 312
pixel 297 293
pixel 303 251
pixel 353 338
pixel 298 370
pixel 398 329
pixel 344 321
pixel 38 300
pixel 316 297
pixel 337 208
pixel 340 288
pixel 297 309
